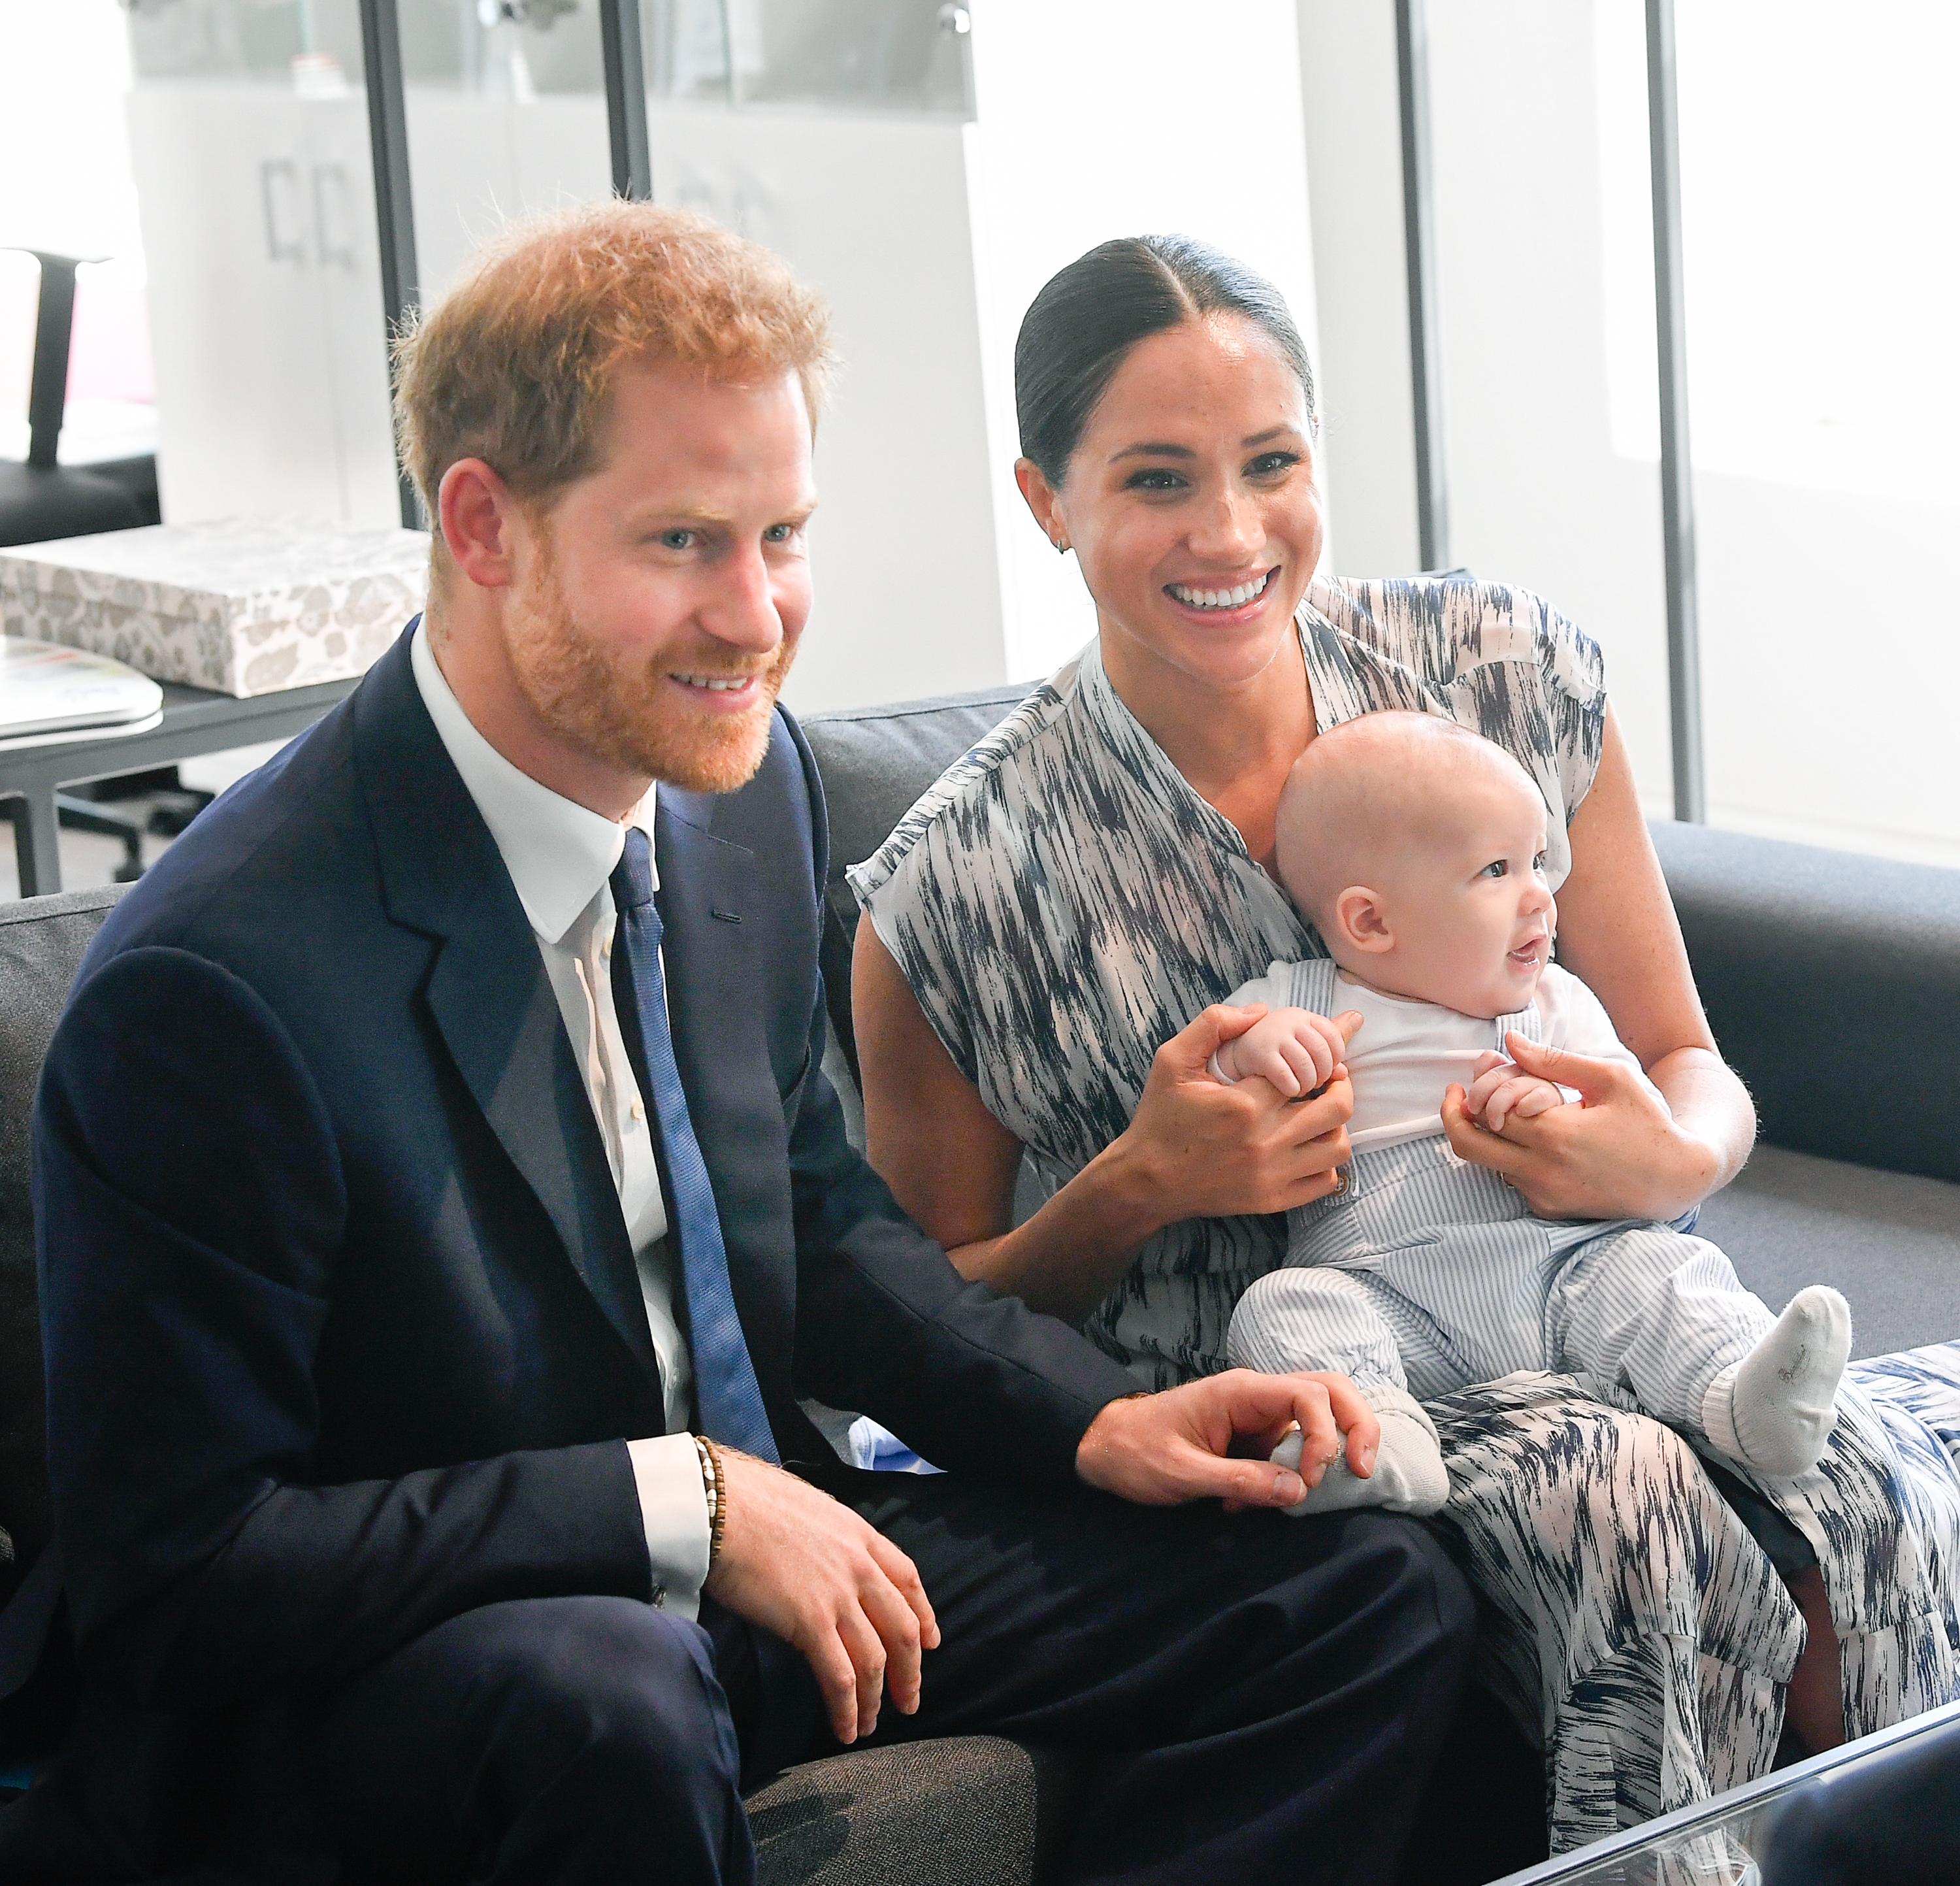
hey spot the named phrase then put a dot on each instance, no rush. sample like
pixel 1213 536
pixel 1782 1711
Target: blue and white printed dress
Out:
pixel 1062 903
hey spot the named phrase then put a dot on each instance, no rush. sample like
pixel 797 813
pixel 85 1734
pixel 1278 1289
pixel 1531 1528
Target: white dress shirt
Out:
pixel 560 856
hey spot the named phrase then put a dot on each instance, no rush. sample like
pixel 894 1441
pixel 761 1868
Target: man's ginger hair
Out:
pixel 515 364
pixel 1384 777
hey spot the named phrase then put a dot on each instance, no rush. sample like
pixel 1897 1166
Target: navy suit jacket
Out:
pixel 343 1332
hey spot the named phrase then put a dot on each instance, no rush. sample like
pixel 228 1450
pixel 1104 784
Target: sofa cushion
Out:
pixel 969 1811
pixel 42 943
pixel 1889 1240
pixel 876 762
pixel 1832 982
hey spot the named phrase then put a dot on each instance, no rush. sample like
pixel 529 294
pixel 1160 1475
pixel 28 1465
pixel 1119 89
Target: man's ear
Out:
pixel 1361 920
pixel 480 523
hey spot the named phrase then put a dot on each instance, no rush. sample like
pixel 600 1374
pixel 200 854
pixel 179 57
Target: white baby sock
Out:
pixel 1773 1410
pixel 1409 1476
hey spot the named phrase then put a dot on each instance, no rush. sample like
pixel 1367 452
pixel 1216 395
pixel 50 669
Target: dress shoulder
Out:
pixel 1442 629
pixel 951 807
pixel 1500 660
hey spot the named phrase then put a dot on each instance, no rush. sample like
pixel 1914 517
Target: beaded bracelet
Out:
pixel 716 1488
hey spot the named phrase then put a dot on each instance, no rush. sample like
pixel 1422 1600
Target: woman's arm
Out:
pixel 1618 1156
pixel 1195 1149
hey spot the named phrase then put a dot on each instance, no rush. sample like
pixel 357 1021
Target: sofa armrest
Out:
pixel 1832 983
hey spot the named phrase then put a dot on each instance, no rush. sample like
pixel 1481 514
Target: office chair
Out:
pixel 40 498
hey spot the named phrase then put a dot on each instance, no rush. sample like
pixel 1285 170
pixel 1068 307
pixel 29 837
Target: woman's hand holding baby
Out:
pixel 1195 1148
pixel 1294 1050
pixel 1618 1154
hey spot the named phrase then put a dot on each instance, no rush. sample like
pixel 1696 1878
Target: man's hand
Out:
pixel 1164 1449
pixel 797 1562
pixel 1499 1088
pixel 1293 1049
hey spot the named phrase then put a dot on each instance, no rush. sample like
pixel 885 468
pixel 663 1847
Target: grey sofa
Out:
pixel 1857 1183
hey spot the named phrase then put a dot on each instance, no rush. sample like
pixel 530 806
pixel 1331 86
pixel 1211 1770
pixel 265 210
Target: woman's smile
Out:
pixel 1237 601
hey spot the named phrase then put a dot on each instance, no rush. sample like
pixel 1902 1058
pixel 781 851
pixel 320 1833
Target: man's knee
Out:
pixel 537 1729
pixel 608 1681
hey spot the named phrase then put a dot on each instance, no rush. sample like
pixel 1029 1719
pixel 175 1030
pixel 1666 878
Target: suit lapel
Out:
pixel 716 1003
pixel 488 993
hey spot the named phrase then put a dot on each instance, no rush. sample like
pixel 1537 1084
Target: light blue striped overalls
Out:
pixel 1433 1274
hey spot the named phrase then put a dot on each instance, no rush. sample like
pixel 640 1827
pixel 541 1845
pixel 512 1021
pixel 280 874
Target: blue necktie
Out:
pixel 724 1378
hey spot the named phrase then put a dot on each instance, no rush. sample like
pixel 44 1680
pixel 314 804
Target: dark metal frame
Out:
pixel 388 133
pixel 626 99
pixel 1677 487
pixel 1432 477
pixel 394 208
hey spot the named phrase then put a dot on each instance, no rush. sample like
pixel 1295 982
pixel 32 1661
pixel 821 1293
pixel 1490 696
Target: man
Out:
pixel 442 1210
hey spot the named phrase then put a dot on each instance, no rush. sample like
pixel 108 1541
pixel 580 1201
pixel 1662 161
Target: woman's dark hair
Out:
pixel 1076 331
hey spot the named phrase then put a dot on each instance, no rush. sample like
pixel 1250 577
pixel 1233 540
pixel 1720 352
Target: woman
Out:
pixel 1097 873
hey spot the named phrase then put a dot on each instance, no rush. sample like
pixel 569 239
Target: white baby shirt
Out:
pixel 1407 1053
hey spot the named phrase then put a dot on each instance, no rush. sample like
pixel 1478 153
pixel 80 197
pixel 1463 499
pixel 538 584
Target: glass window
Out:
pixel 507 116
pixel 1820 168
pixel 248 130
pixel 857 55
pixel 1820 171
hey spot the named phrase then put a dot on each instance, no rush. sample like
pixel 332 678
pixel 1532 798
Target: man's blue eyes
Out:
pixel 678 539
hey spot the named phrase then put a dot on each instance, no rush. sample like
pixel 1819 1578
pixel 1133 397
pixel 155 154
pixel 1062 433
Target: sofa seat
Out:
pixel 955 1812
pixel 1889 1240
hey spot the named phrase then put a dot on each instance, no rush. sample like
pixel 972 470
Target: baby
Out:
pixel 1417 850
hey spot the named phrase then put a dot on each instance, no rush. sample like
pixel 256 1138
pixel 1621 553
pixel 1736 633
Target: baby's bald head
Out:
pixel 1379 787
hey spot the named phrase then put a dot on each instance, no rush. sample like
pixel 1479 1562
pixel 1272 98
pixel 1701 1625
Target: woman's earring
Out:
pixel 1061 545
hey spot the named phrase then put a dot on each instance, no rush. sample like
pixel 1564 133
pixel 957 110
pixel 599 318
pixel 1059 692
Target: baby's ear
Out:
pixel 1361 919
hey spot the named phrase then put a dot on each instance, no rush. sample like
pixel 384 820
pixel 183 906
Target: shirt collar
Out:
pixel 559 854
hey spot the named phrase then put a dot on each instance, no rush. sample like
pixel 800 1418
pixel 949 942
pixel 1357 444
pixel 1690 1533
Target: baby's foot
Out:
pixel 1773 1410
pixel 1409 1476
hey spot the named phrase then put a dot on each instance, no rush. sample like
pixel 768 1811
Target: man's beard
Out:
pixel 593 702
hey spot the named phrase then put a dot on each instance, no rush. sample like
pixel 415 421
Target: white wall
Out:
pixel 1095 121
pixel 873 212
pixel 1824 387
pixel 1354 172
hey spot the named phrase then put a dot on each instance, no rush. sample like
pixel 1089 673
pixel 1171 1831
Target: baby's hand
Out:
pixel 1295 1050
pixel 1501 1089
